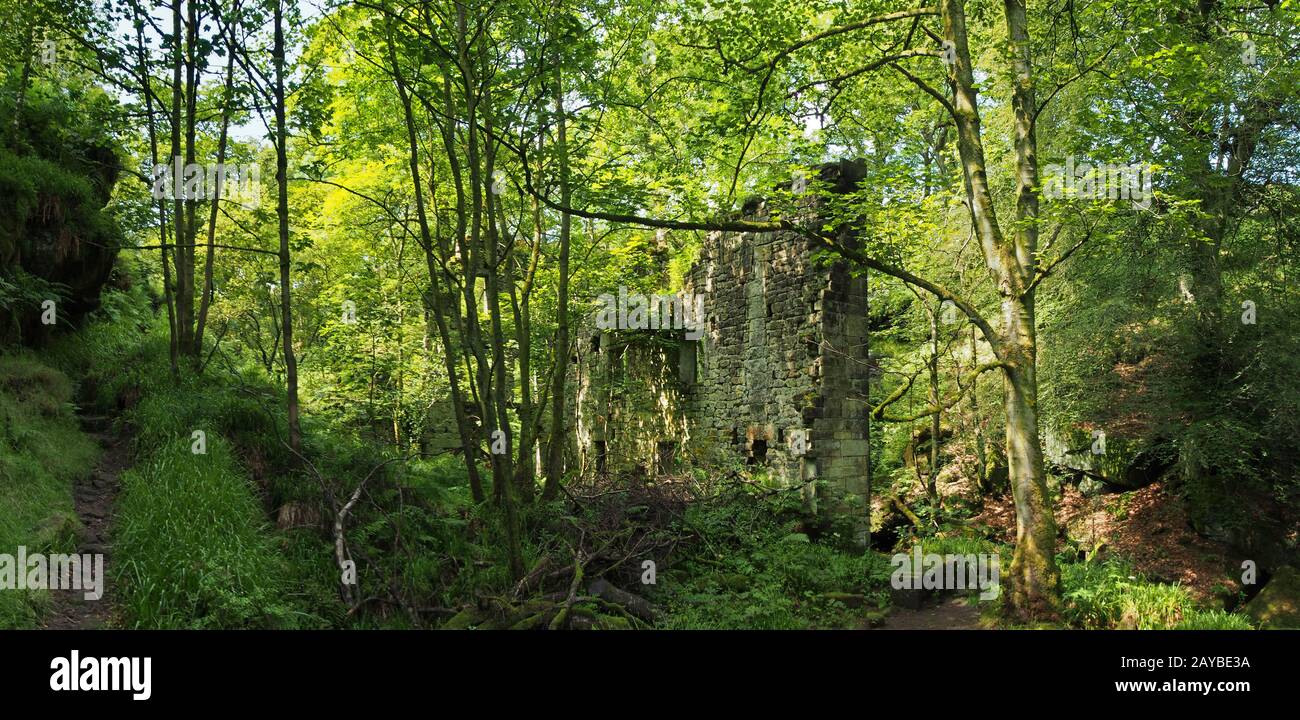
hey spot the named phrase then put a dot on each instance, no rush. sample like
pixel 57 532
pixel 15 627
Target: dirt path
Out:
pixel 94 499
pixel 954 613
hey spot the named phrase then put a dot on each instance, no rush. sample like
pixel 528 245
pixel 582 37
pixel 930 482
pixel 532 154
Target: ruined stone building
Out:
pixel 777 377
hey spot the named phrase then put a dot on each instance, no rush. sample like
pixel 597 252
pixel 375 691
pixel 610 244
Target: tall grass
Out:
pixel 192 547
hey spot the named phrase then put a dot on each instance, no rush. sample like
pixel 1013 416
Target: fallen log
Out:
pixel 634 604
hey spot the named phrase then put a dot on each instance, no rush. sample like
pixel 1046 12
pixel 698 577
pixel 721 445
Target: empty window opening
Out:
pixel 687 362
pixel 665 457
pixel 758 452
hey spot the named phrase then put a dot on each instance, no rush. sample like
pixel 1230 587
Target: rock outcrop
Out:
pixel 57 243
pixel 1277 606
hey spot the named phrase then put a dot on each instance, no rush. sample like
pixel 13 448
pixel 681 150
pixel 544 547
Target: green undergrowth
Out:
pixel 1111 594
pixel 194 547
pixel 42 453
pixel 1097 594
pixel 751 567
pixel 417 537
pixel 197 545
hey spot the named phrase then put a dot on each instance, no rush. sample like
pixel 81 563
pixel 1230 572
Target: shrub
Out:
pixel 1213 620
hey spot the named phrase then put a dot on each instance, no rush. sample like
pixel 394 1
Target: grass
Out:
pixel 42 453
pixel 193 550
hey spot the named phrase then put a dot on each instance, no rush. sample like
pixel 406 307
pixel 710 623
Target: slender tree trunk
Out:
pixel 177 179
pixel 183 131
pixel 496 388
pixel 1034 577
pixel 188 249
pixel 282 210
pixel 227 100
pixel 559 372
pixel 434 303
pixel 983 476
pixel 24 78
pixel 932 489
pixel 162 205
pixel 521 304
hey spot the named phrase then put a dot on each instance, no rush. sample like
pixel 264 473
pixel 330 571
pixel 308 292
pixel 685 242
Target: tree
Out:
pixel 282 213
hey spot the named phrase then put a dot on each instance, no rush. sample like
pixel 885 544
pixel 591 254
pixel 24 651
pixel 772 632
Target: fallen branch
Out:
pixel 907 512
pixel 563 615
pixel 633 604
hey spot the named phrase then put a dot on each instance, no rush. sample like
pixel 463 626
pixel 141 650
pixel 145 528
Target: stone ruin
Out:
pixel 777 378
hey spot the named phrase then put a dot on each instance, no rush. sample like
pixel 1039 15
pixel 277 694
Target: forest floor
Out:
pixel 94 496
pixel 1149 526
pixel 953 613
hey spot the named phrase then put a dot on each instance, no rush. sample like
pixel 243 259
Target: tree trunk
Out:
pixel 179 232
pixel 559 372
pixel 24 78
pixel 982 469
pixel 227 99
pixel 282 210
pixel 434 299
pixel 162 204
pixel 936 424
pixel 183 253
pixel 493 377
pixel 1034 577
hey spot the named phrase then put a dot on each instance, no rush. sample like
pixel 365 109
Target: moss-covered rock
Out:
pixel 463 620
pixel 57 242
pixel 1277 606
pixel 1120 462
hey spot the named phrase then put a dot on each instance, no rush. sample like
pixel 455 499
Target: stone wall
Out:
pixel 775 380
pixel 628 398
